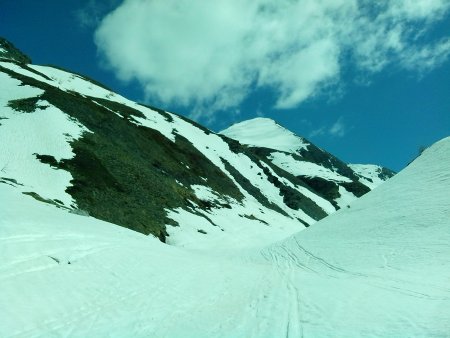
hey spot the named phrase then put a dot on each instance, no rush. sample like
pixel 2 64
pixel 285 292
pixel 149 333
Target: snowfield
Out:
pixel 380 268
pixel 265 132
pixel 47 131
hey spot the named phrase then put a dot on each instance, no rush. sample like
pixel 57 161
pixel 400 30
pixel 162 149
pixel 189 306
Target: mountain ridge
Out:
pixel 149 170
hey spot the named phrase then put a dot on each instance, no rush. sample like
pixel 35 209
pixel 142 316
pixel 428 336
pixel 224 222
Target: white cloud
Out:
pixel 211 54
pixel 317 132
pixel 337 129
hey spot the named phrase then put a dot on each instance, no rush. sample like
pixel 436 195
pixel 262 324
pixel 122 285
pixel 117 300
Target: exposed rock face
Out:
pixel 8 51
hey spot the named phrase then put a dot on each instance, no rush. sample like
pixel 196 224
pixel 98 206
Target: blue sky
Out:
pixel 368 83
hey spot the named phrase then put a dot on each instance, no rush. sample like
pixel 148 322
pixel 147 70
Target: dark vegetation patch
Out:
pixel 10 181
pixel 386 173
pixel 357 188
pixel 254 218
pixel 291 197
pixel 325 159
pixel 48 159
pixel 303 222
pixel 39 198
pixel 328 190
pixel 124 173
pixel 12 52
pixel 250 188
pixel 123 110
pixel 172 222
pixel 235 146
pixel 26 67
pixel 166 115
pixel 294 199
pixel 321 187
pixel 28 105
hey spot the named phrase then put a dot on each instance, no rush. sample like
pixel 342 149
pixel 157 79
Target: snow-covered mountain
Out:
pixel 266 133
pixel 70 142
pixel 322 172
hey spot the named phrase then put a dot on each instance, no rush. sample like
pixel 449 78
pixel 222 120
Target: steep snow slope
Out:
pixel 380 268
pixel 265 132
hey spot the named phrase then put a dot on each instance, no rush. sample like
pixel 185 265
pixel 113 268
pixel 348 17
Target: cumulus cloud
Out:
pixel 211 54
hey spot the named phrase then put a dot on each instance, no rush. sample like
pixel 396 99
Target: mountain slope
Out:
pixel 87 149
pixel 320 171
pixel 380 268
pixel 386 257
pixel 9 52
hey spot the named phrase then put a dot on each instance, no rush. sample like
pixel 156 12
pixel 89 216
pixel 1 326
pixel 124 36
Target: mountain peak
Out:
pixel 8 51
pixel 265 132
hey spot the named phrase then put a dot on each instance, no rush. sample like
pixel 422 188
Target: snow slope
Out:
pixel 47 131
pixel 380 268
pixel 384 263
pixel 297 168
pixel 265 132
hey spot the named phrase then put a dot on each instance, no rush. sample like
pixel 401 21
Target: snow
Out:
pixel 10 90
pixel 368 174
pixel 118 283
pixel 155 120
pixel 384 263
pixel 345 199
pixel 380 268
pixel 309 169
pixel 65 81
pixel 239 228
pixel 18 68
pixel 68 81
pixel 47 131
pixel 304 168
pixel 264 132
pixel 205 193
